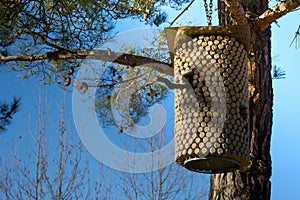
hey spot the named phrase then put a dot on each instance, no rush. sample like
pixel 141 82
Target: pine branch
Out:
pixel 103 55
pixel 237 11
pixel 271 15
pixel 7 112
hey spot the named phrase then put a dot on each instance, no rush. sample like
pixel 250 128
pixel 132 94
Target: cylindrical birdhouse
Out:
pixel 211 97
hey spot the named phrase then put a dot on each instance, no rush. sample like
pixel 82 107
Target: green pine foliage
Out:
pixel 32 28
pixel 7 111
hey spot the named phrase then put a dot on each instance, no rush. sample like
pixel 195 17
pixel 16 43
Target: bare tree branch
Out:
pixel 271 15
pixel 104 55
pixel 237 11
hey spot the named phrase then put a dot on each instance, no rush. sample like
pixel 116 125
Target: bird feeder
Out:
pixel 211 97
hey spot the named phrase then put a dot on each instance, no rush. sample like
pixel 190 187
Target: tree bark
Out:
pixel 253 182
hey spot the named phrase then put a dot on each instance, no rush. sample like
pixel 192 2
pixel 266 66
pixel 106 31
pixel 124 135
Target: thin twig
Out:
pixel 297 34
pixel 186 8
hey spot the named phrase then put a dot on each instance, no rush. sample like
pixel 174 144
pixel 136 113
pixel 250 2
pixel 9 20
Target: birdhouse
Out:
pixel 211 97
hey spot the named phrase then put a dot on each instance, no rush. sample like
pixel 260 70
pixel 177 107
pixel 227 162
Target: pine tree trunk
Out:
pixel 253 183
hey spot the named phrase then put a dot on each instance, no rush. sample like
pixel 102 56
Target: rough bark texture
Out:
pixel 253 183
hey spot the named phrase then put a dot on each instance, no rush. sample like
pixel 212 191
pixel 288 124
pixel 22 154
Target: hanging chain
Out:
pixel 208 11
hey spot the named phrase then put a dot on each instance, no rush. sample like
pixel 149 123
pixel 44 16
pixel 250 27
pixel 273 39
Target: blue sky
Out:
pixel 285 136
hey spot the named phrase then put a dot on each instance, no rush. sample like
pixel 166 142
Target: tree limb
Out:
pixel 103 55
pixel 237 11
pixel 271 15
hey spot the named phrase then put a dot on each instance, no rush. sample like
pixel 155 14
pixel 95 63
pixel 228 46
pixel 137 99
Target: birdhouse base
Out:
pixel 211 165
